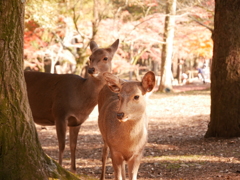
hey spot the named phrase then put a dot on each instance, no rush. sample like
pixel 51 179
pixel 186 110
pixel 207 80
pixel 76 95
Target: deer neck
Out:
pixel 135 126
pixel 134 132
pixel 95 84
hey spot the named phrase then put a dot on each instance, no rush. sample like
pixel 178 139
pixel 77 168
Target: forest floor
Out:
pixel 176 147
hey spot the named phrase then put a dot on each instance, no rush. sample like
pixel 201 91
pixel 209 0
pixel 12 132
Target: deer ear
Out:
pixel 93 46
pixel 114 46
pixel 148 81
pixel 113 82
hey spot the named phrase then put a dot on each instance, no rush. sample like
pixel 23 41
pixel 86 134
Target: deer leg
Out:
pixel 104 160
pixel 61 135
pixel 73 144
pixel 123 170
pixel 117 161
pixel 133 166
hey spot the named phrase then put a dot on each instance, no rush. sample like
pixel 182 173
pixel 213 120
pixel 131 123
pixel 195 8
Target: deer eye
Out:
pixel 136 97
pixel 105 58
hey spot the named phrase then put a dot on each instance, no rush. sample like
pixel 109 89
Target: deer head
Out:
pixel 100 60
pixel 132 99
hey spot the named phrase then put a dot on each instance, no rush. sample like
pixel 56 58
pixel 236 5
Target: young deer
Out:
pixel 123 122
pixel 67 99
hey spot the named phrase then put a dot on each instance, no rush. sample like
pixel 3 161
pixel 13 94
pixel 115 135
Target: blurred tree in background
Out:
pixel 167 47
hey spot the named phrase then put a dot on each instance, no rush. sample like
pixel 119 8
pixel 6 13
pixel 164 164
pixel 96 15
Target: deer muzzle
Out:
pixel 91 70
pixel 121 117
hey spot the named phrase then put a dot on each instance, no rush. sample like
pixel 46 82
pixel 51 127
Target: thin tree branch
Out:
pixel 202 24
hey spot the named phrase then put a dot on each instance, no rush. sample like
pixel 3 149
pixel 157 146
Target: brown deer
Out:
pixel 66 99
pixel 123 122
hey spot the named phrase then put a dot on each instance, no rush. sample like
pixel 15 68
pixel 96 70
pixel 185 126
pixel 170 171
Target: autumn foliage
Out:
pixel 138 26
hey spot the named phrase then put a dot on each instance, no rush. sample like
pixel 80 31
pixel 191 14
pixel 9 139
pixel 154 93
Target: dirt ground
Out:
pixel 176 148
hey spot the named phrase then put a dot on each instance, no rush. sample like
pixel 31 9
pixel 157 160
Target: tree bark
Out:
pixel 167 49
pixel 225 75
pixel 21 155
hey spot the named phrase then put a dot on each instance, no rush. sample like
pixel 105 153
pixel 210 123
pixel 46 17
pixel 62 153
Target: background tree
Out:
pixel 225 77
pixel 167 47
pixel 21 155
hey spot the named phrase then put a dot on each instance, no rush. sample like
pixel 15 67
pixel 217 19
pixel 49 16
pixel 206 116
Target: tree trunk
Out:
pixel 21 155
pixel 179 71
pixel 225 75
pixel 96 20
pixel 167 49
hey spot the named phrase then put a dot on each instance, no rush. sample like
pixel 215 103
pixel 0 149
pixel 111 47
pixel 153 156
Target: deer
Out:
pixel 123 122
pixel 63 100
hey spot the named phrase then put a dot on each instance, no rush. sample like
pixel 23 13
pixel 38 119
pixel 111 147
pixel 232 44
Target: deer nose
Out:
pixel 91 70
pixel 120 115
